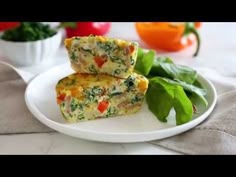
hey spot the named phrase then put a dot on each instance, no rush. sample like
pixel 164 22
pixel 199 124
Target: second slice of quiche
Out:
pixel 87 96
pixel 98 54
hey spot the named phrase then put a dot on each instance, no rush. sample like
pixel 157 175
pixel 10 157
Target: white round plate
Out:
pixel 40 98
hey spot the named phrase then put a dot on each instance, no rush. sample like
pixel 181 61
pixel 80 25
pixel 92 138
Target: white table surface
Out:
pixel 218 51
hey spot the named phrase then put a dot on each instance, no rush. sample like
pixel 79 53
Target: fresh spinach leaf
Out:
pixel 164 67
pixel 144 62
pixel 164 60
pixel 156 69
pixel 200 93
pixel 162 96
pixel 180 72
pixel 140 53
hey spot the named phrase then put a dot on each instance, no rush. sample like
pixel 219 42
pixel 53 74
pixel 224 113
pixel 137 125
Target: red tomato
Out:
pixel 87 28
pixel 102 106
pixel 8 25
pixel 61 98
pixel 99 61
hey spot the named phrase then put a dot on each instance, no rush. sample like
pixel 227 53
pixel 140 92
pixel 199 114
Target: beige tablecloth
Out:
pixel 14 115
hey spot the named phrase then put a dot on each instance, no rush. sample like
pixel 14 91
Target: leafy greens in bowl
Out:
pixel 29 31
pixel 170 86
pixel 30 43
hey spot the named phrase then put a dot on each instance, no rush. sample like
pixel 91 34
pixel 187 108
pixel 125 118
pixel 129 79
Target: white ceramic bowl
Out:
pixel 31 53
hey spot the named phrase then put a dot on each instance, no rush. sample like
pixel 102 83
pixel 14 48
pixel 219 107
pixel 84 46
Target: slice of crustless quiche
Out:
pixel 98 54
pixel 88 96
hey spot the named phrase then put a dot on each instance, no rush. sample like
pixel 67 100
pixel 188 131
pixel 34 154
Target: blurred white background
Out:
pixel 217 51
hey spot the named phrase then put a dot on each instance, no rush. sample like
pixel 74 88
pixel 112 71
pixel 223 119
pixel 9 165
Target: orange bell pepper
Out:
pixel 168 36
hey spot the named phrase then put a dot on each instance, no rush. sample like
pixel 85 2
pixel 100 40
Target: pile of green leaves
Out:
pixel 170 86
pixel 29 31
